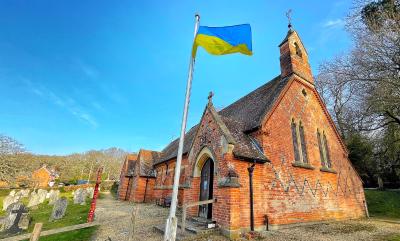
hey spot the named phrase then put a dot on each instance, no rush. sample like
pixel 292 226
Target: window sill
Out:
pixel 303 165
pixel 327 169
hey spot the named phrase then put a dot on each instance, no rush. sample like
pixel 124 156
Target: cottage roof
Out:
pixel 241 117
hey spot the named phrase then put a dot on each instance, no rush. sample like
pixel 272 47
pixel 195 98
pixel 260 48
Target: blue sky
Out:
pixel 80 75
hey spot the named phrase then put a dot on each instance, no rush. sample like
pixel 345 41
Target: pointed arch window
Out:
pixel 303 144
pixel 295 142
pixel 324 150
pixel 299 142
pixel 298 50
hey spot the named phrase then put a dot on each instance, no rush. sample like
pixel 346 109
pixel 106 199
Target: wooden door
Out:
pixel 206 188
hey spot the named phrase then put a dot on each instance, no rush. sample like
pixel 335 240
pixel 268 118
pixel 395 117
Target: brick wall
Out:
pixel 295 194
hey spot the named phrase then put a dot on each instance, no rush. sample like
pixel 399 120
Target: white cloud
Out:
pixel 66 103
pixel 333 23
pixel 88 70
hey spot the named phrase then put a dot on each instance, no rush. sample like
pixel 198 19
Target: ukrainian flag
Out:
pixel 224 40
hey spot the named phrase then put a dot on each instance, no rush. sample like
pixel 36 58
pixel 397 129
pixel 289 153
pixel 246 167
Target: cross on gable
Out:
pixel 289 17
pixel 210 95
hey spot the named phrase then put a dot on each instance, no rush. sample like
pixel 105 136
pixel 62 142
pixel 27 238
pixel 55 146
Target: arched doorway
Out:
pixel 206 188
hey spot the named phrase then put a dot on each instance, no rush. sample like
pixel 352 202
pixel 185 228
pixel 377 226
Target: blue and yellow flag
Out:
pixel 224 40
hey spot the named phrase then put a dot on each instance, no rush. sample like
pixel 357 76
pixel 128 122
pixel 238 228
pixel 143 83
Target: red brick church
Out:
pixel 283 136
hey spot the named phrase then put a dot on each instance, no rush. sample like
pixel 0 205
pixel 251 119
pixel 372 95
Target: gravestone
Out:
pixel 54 196
pixel 25 192
pixel 90 191
pixel 42 195
pixel 60 206
pixel 10 199
pixel 49 193
pixel 17 219
pixel 19 193
pixel 80 196
pixel 34 200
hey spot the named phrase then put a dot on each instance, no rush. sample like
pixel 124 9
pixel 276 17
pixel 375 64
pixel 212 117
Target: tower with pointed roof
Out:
pixel 294 57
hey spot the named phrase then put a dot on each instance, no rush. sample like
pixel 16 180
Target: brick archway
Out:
pixel 201 158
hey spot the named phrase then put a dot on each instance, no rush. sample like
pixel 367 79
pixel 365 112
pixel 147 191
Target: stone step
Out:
pixel 180 236
pixel 201 220
pixel 193 226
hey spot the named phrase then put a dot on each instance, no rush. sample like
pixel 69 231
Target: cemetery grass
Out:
pixel 383 204
pixel 3 194
pixel 75 235
pixel 75 214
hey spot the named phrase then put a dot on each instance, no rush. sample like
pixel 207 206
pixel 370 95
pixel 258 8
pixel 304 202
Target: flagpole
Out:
pixel 171 224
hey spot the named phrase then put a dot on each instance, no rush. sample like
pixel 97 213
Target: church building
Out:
pixel 137 177
pixel 272 158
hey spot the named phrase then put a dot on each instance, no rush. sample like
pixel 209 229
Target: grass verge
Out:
pixel 383 204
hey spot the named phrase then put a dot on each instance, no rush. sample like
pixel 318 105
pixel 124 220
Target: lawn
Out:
pixel 75 214
pixel 383 204
pixel 3 194
pixel 393 238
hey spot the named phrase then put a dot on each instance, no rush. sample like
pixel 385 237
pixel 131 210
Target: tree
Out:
pixel 9 151
pixel 362 88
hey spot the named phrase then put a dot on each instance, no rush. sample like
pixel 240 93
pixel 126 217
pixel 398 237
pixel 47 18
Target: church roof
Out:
pixel 142 163
pixel 146 159
pixel 251 108
pixel 171 150
pixel 241 117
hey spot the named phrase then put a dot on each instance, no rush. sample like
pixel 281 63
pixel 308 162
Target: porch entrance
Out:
pixel 206 188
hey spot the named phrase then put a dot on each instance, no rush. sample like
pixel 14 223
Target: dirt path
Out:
pixel 115 219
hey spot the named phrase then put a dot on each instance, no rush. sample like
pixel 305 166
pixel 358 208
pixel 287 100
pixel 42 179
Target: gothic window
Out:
pixel 328 158
pixel 303 144
pixel 299 142
pixel 321 149
pixel 324 150
pixel 298 50
pixel 295 142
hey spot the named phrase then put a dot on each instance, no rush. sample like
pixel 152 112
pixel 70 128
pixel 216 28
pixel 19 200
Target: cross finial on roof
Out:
pixel 289 17
pixel 210 95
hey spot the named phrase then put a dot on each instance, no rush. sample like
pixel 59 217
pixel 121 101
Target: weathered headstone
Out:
pixel 34 200
pixel 90 191
pixel 10 199
pixel 80 196
pixel 42 195
pixel 12 193
pixel 24 221
pixel 25 192
pixel 19 193
pixel 17 217
pixel 60 206
pixel 49 193
pixel 54 196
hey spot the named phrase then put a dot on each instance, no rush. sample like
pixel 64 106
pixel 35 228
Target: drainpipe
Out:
pixel 251 170
pixel 145 189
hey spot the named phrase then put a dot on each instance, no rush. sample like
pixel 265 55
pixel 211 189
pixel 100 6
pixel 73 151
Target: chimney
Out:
pixel 294 57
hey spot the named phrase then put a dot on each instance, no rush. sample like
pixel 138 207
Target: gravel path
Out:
pixel 115 218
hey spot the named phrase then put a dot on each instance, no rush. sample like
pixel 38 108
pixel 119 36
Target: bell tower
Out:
pixel 294 57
